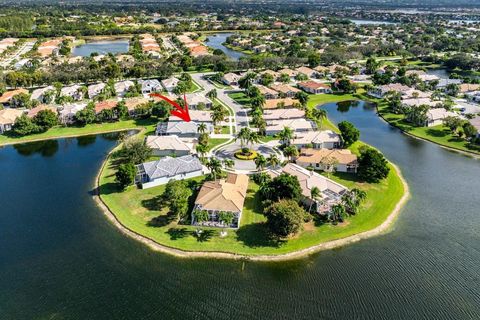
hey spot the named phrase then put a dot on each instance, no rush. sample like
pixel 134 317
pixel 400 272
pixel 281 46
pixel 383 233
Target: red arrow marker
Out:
pixel 180 112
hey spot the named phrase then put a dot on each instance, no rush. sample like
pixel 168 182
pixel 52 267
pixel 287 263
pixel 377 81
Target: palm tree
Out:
pixel 286 135
pixel 273 160
pixel 247 80
pixel 202 128
pixel 260 162
pixel 352 199
pixel 290 152
pixel 253 138
pixel 228 163
pixel 244 136
pixel 258 102
pixel 314 195
pixel 337 213
pixel 319 115
pixel 217 116
pixel 215 167
pixel 202 150
pixel 226 218
pixel 212 94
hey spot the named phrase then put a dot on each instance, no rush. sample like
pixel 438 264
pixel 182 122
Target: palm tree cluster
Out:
pixel 202 146
pixel 349 205
pixel 246 137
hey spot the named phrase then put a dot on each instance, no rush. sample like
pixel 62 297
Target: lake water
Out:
pixel 216 40
pixel 61 259
pixel 101 47
pixel 366 22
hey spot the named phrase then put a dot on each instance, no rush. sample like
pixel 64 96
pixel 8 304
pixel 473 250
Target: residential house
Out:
pixel 95 89
pixel 105 105
pixel 436 116
pixel 291 73
pixel 281 114
pixel 170 145
pixel 274 74
pixel 341 160
pixel 285 90
pixel 297 125
pixel 122 87
pixel 468 87
pixel 223 195
pixel 419 101
pixel 133 103
pixel 314 87
pixel 281 103
pixel 155 173
pixel 67 112
pixel 150 85
pixel 381 91
pixel 330 191
pixel 326 139
pixel 267 92
pixel 230 79
pixel 44 95
pixel 443 83
pixel 170 84
pixel 311 73
pixel 7 119
pixel 34 111
pixel 182 129
pixel 6 98
pixel 74 91
pixel 476 123
pixel 198 116
pixel 194 99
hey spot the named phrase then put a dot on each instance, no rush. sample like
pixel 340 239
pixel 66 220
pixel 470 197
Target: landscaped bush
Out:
pixel 250 155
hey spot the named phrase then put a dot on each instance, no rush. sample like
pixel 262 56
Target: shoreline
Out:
pixel 302 253
pixel 464 152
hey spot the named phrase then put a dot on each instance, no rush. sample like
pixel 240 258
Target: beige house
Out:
pixel 280 103
pixel 7 119
pixel 227 195
pixel 170 145
pixel 285 89
pixel 267 92
pixel 280 114
pixel 297 125
pixel 330 191
pixel 341 160
pixel 326 139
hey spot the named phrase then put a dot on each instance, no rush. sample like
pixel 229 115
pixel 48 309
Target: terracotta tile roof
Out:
pixel 33 112
pixel 313 85
pixel 224 195
pixel 8 116
pixel 343 156
pixel 273 103
pixel 7 96
pixel 104 105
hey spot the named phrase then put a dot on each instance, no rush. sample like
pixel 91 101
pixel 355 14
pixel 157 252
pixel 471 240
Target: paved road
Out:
pixel 241 118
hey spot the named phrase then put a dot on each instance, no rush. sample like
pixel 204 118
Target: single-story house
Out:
pixel 105 105
pixel 193 99
pixel 436 116
pixel 308 72
pixel 133 103
pixel 285 89
pixel 267 92
pixel 42 94
pixel 280 103
pixel 7 119
pixel 72 91
pixel 196 116
pixel 468 87
pixel 331 191
pixel 341 160
pixel 122 87
pixel 7 96
pixel 274 74
pixel 224 195
pixel 428 78
pixel 381 91
pixel 326 139
pixel 170 145
pixel 281 114
pixel 68 111
pixel 181 129
pixel 155 173
pixel 419 101
pixel 170 84
pixel 230 79
pixel 95 89
pixel 298 125
pixel 443 83
pixel 314 87
pixel 291 73
pixel 150 85
pixel 476 123
pixel 33 112
pixel 416 94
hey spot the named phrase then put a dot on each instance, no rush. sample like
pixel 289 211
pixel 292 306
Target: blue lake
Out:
pixel 101 47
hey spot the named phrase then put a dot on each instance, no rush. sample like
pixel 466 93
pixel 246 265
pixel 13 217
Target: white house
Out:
pixel 122 87
pixel 326 139
pixel 297 125
pixel 170 145
pixel 7 118
pixel 72 91
pixel 230 79
pixel 436 116
pixel 155 173
pixel 68 111
pixel 150 85
pixel 43 95
pixel 95 89
pixel 170 84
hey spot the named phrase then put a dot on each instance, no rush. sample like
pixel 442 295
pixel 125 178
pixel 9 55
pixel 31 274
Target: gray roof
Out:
pixel 184 128
pixel 445 82
pixel 169 167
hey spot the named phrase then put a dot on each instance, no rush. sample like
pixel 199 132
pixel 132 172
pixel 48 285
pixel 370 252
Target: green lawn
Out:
pixel 141 210
pixel 62 132
pixel 240 98
pixel 215 142
pixel 438 134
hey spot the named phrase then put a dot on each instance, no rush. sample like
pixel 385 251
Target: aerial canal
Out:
pixel 216 40
pixel 61 259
